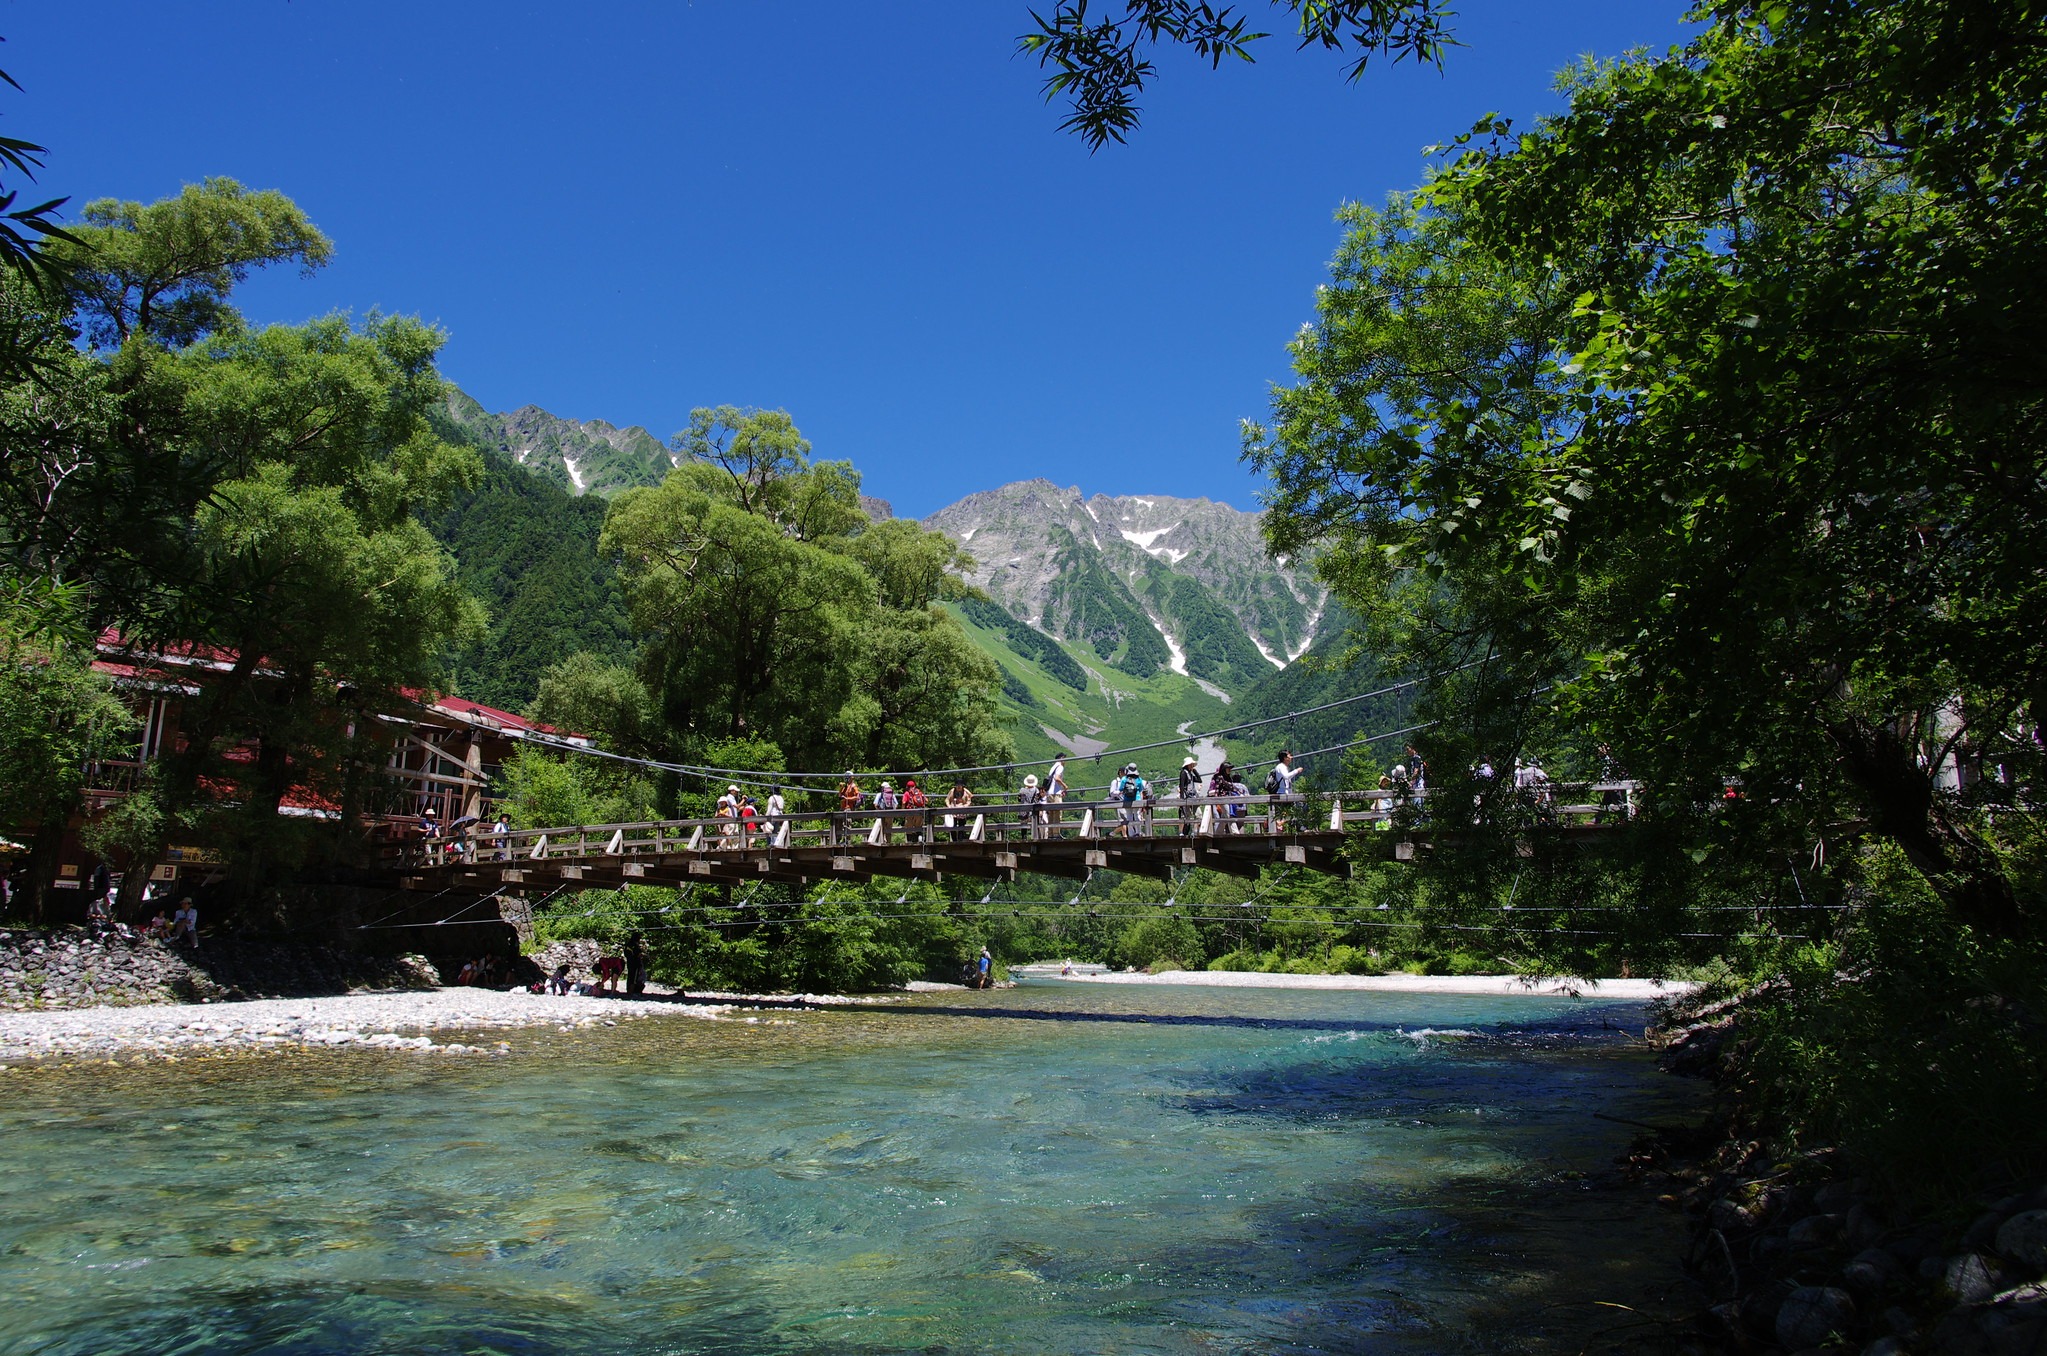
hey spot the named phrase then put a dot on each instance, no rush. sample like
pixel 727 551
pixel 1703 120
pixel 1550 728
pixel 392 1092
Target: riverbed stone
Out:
pixel 42 971
pixel 1869 1272
pixel 1970 1277
pixel 2023 1239
pixel 1814 1231
pixel 1813 1315
pixel 2014 1324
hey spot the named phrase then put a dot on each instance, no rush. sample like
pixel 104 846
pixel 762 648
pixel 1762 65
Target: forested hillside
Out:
pixel 1330 671
pixel 527 549
pixel 577 456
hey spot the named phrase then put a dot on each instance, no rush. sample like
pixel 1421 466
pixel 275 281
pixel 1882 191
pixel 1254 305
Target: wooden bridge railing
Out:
pixel 1000 820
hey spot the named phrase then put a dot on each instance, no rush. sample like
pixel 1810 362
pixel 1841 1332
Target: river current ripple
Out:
pixel 1053 1169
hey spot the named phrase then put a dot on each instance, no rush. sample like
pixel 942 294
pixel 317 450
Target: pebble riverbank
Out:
pixel 72 968
pixel 394 1021
pixel 1798 1255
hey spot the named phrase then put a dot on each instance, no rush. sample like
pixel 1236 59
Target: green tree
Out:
pixel 1101 61
pixel 25 234
pixel 775 611
pixel 165 270
pixel 57 716
pixel 308 565
pixel 1695 420
pixel 587 694
pixel 251 493
pixel 751 625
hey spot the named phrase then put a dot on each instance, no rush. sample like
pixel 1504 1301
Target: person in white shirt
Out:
pixel 1055 793
pixel 185 924
pixel 1281 783
pixel 777 808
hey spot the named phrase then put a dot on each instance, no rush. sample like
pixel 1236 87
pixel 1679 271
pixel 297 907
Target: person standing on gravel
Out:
pixel 636 966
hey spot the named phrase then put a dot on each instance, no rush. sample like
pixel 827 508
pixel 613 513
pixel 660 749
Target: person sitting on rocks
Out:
pixel 185 924
pixel 558 982
pixel 159 926
pixel 467 975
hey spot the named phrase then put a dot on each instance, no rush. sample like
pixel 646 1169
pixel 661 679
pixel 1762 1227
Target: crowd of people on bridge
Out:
pixel 1220 800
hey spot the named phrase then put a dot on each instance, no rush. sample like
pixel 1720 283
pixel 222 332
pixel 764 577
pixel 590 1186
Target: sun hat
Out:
pixel 1190 761
pixel 1031 779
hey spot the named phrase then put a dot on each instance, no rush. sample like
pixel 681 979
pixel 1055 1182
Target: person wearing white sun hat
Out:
pixel 1031 818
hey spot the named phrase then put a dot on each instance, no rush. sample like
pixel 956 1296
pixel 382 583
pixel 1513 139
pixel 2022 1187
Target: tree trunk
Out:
pixel 1960 869
pixel 135 880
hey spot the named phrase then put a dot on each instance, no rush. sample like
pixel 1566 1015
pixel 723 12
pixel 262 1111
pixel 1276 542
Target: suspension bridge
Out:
pixel 993 840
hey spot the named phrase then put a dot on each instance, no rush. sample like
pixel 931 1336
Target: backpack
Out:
pixel 1272 782
pixel 1133 787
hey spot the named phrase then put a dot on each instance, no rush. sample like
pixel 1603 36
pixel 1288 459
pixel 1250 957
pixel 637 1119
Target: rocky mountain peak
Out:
pixel 1149 581
pixel 583 456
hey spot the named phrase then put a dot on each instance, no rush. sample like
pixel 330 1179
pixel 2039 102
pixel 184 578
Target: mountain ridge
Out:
pixel 1115 619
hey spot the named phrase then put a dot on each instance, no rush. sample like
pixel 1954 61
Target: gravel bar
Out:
pixel 391 1021
pixel 1503 985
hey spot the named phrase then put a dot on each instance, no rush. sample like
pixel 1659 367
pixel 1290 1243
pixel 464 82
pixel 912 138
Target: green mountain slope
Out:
pixel 1113 710
pixel 528 550
pixel 577 456
pixel 1321 677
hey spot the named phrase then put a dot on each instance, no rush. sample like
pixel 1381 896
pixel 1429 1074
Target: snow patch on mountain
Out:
pixel 1178 662
pixel 1308 636
pixel 1143 540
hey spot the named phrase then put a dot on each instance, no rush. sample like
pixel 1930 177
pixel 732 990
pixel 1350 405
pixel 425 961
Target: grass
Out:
pixel 1116 709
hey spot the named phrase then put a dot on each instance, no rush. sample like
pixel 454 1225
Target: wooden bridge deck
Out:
pixel 991 841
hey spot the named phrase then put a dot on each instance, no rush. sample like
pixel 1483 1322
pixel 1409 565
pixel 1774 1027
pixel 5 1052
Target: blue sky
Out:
pixel 861 213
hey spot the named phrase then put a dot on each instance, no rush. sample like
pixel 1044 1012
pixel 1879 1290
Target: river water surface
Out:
pixel 1058 1168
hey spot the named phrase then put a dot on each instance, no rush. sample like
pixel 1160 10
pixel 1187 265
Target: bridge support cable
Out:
pixel 764 778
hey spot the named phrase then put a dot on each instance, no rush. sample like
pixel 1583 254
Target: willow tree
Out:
pixel 774 610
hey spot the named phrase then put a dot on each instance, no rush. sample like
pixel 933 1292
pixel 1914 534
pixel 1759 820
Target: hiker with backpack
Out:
pixel 850 796
pixel 1280 783
pixel 1128 790
pixel 886 800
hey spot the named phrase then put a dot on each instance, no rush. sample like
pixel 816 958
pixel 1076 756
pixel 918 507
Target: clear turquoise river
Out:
pixel 1058 1168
